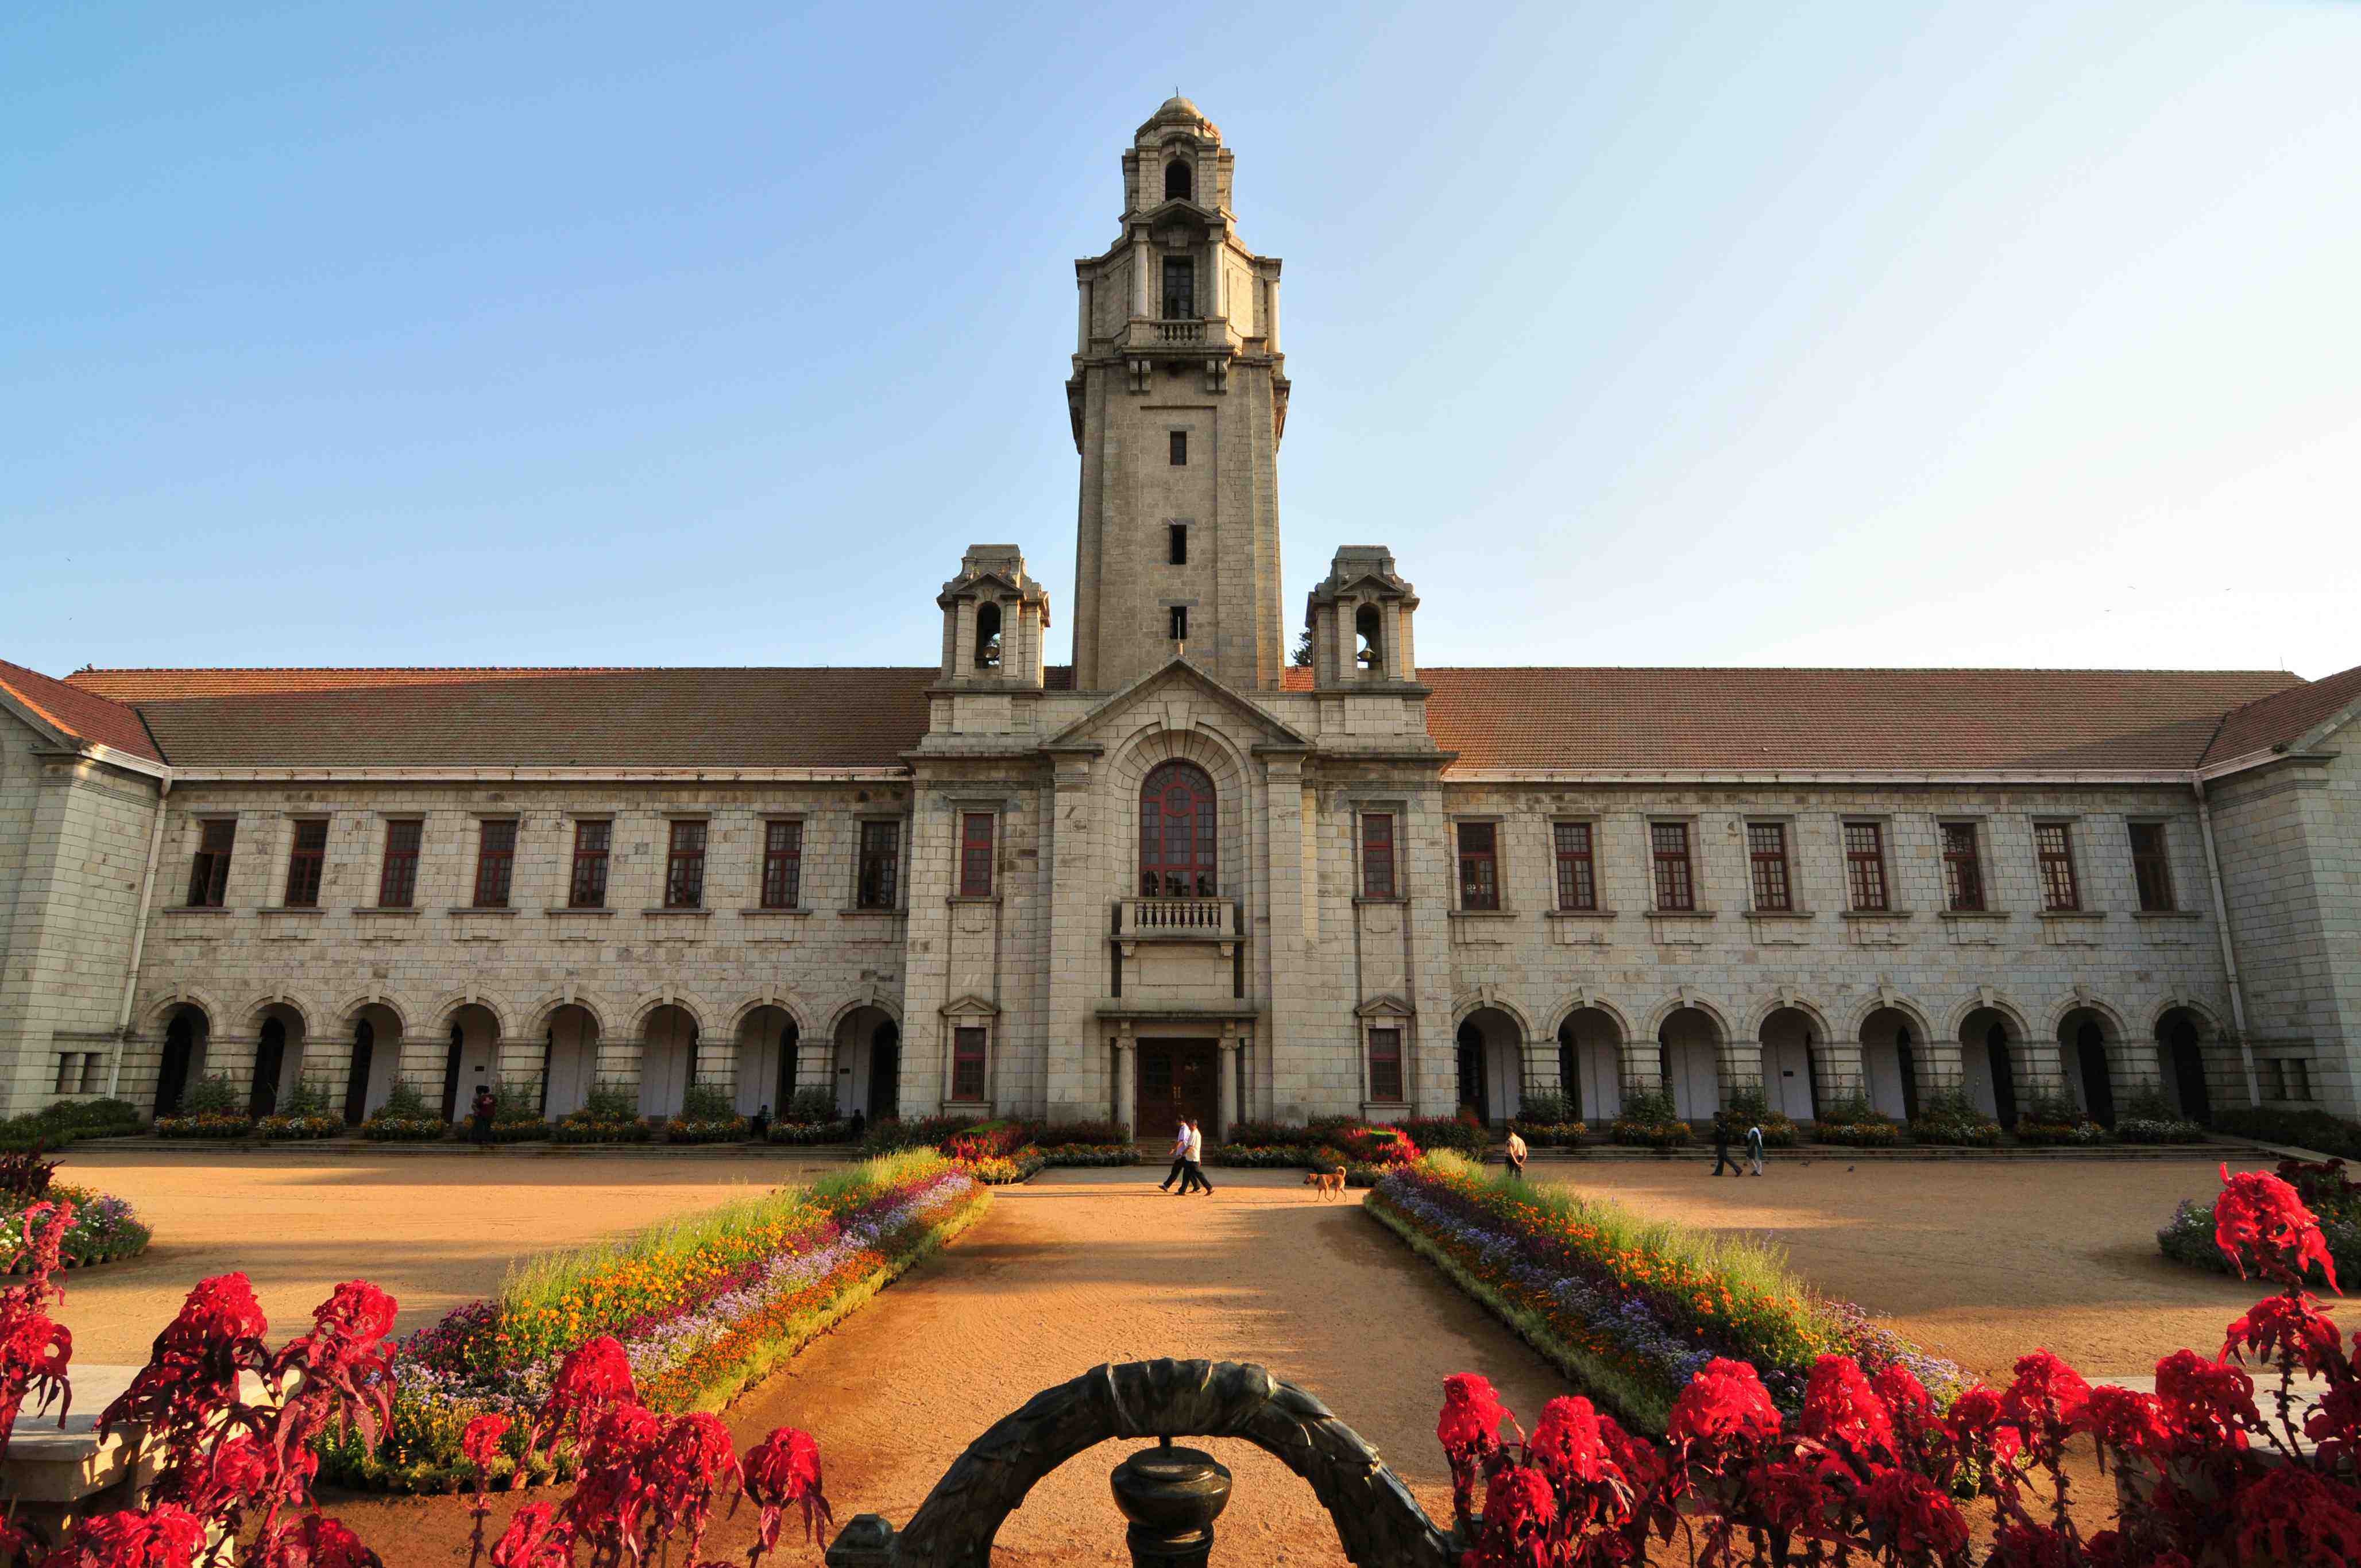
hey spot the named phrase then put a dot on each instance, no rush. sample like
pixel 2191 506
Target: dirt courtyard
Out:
pixel 436 1231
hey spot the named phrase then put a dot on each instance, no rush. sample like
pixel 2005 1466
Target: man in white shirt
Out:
pixel 1196 1163
pixel 1179 1171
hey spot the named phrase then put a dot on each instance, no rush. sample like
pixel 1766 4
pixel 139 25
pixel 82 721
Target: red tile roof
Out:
pixel 1573 719
pixel 2284 717
pixel 1833 720
pixel 82 715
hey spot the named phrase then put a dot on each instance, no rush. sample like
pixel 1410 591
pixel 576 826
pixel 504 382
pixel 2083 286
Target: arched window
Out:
pixel 1368 624
pixel 1176 832
pixel 987 637
pixel 1180 183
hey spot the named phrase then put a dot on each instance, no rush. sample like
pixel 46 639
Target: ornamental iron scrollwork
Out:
pixel 1379 1523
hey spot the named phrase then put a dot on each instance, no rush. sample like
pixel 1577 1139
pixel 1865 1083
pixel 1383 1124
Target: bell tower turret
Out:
pixel 993 615
pixel 1177 399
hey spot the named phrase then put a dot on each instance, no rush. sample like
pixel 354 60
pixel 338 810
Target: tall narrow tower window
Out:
pixel 1180 449
pixel 987 637
pixel 1179 553
pixel 1180 287
pixel 1180 184
pixel 1366 621
pixel 1178 623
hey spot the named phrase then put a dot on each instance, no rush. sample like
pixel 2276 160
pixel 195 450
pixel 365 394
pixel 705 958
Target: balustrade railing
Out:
pixel 1180 331
pixel 1177 917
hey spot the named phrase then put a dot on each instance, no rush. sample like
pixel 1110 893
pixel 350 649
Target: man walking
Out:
pixel 1516 1157
pixel 1721 1145
pixel 1754 1145
pixel 1179 1171
pixel 1196 1159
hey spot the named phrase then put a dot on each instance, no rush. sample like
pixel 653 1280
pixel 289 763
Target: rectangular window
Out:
pixel 1180 287
pixel 1767 849
pixel 684 866
pixel 587 887
pixel 1479 866
pixel 1963 869
pixel 782 865
pixel 2297 1075
pixel 1176 622
pixel 1865 865
pixel 209 873
pixel 305 860
pixel 975 854
pixel 69 1071
pixel 1675 887
pixel 1385 1066
pixel 1177 543
pixel 2151 867
pixel 967 1064
pixel 91 1076
pixel 495 863
pixel 1180 449
pixel 1577 878
pixel 1377 854
pixel 2053 842
pixel 875 887
pixel 397 880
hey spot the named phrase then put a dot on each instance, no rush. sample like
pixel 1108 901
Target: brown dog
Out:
pixel 1331 1183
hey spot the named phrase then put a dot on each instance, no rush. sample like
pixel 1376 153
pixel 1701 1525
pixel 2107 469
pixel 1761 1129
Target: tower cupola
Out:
pixel 993 615
pixel 1360 617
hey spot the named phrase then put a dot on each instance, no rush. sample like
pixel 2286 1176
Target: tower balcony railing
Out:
pixel 1186 336
pixel 1186 916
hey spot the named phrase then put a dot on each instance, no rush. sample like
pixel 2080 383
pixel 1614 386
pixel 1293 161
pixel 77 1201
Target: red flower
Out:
pixel 1472 1414
pixel 481 1443
pixel 2293 1326
pixel 2020 1543
pixel 2204 1400
pixel 2257 1209
pixel 2045 1402
pixel 1519 1508
pixel 356 1309
pixel 683 1466
pixel 536 1538
pixel 783 1469
pixel 594 1378
pixel 1902 1391
pixel 318 1542
pixel 1840 1407
pixel 222 1308
pixel 2335 1420
pixel 2292 1515
pixel 2126 1421
pixel 1793 1494
pixel 1724 1404
pixel 1568 1446
pixel 165 1536
pixel 1975 1421
pixel 1916 1515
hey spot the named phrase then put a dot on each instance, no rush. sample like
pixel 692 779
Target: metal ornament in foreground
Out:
pixel 1171 1496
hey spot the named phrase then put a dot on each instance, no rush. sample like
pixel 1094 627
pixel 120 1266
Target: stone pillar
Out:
pixel 229 1056
pixel 815 1068
pixel 717 1062
pixel 1643 1067
pixel 1741 1067
pixel 1227 1112
pixel 420 1063
pixel 1127 1083
pixel 518 1061
pixel 618 1062
pixel 1142 255
pixel 1272 334
pixel 1942 1066
pixel 1837 1065
pixel 2040 1068
pixel 329 1063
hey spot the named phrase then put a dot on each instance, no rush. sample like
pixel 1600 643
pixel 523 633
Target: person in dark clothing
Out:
pixel 483 1107
pixel 760 1127
pixel 860 1128
pixel 1721 1148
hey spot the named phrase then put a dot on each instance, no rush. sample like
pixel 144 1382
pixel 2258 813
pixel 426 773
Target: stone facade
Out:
pixel 1347 916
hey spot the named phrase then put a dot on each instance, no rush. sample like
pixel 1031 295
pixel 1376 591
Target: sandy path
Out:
pixel 1982 1261
pixel 1087 1266
pixel 435 1230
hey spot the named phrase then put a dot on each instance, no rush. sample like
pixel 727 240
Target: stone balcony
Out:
pixel 1182 920
pixel 1188 338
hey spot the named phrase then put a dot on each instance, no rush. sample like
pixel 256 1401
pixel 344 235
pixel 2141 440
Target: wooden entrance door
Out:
pixel 1177 1079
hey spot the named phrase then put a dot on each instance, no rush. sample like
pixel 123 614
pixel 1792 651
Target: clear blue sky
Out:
pixel 2007 332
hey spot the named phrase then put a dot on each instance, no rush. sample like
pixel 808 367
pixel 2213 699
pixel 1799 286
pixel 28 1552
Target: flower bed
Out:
pixel 2158 1130
pixel 2332 1196
pixel 1630 1310
pixel 281 1128
pixel 104 1229
pixel 838 1131
pixel 581 1129
pixel 404 1129
pixel 702 1307
pixel 204 1126
pixel 1088 1154
pixel 2071 1135
pixel 1857 1135
pixel 1551 1134
pixel 681 1130
pixel 1005 1169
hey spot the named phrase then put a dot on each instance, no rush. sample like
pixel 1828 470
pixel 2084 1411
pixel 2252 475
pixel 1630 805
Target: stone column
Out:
pixel 229 1056
pixel 717 1062
pixel 1142 255
pixel 1272 334
pixel 329 1063
pixel 1643 1067
pixel 618 1062
pixel 420 1063
pixel 1741 1067
pixel 815 1068
pixel 2041 1068
pixel 1226 1113
pixel 1942 1065
pixel 1127 1083
pixel 518 1061
pixel 1837 1066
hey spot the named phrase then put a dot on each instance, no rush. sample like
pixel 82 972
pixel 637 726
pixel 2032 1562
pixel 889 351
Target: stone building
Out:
pixel 1183 872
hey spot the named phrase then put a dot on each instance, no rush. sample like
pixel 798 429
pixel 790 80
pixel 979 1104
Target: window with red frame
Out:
pixel 1176 832
pixel 397 879
pixel 967 1064
pixel 1377 854
pixel 305 861
pixel 1963 867
pixel 783 864
pixel 209 872
pixel 1577 872
pixel 1865 865
pixel 1479 865
pixel 2151 868
pixel 877 878
pixel 1386 1066
pixel 2053 845
pixel 587 887
pixel 495 863
pixel 1675 880
pixel 975 854
pixel 1766 849
pixel 684 866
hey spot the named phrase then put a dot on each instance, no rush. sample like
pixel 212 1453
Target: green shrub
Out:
pixel 1652 1107
pixel 1546 1108
pixel 1051 1135
pixel 1271 1135
pixel 1845 1111
pixel 307 1100
pixel 1949 1117
pixel 1861 1134
pixel 810 1131
pixel 1551 1134
pixel 514 1104
pixel 811 1105
pixel 2315 1130
pixel 707 1102
pixel 892 1135
pixel 612 1099
pixel 1468 1138
pixel 405 1101
pixel 214 1095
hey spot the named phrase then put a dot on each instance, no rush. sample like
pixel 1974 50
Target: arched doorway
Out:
pixel 1790 1081
pixel 184 1057
pixel 356 1080
pixel 869 1064
pixel 1889 1061
pixel 570 1066
pixel 1689 1047
pixel 1591 1064
pixel 1988 1062
pixel 278 1060
pixel 467 1059
pixel 2184 1065
pixel 766 1062
pixel 2083 1037
pixel 667 1060
pixel 1491 1054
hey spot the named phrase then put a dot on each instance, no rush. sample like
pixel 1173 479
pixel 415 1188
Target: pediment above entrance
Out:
pixel 1147 702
